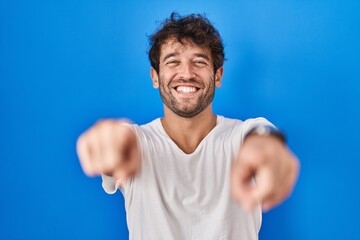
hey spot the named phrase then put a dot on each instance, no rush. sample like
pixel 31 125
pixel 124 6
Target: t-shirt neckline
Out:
pixel 219 120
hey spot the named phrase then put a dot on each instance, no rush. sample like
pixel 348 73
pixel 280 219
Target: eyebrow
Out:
pixel 202 56
pixel 170 55
pixel 196 55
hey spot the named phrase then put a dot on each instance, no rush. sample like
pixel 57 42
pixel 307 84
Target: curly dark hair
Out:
pixel 194 27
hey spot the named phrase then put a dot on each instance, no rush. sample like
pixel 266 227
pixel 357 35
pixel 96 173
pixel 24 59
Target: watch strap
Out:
pixel 267 130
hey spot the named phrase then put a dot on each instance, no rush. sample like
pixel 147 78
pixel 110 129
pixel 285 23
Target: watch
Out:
pixel 267 130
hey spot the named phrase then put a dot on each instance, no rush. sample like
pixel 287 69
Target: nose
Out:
pixel 186 71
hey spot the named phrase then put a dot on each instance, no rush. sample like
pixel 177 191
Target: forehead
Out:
pixel 172 45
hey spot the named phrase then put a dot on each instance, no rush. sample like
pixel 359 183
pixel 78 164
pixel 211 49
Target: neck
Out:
pixel 187 133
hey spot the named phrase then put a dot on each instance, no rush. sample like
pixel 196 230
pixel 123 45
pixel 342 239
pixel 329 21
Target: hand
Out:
pixel 109 147
pixel 264 172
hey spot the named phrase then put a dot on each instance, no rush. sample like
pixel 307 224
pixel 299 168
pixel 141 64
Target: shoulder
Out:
pixel 238 126
pixel 150 132
pixel 229 122
pixel 233 131
pixel 151 127
pixel 255 122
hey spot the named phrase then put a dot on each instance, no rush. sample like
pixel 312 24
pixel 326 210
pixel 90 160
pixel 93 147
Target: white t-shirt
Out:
pixel 187 196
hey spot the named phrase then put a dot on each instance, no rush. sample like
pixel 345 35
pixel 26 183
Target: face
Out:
pixel 186 78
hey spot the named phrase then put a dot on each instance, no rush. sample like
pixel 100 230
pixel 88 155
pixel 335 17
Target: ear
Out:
pixel 155 77
pixel 218 76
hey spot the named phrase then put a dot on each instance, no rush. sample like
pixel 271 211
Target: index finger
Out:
pixel 83 152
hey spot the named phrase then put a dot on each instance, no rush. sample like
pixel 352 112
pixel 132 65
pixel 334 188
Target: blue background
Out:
pixel 65 64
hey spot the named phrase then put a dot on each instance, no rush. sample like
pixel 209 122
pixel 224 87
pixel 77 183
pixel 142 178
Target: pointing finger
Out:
pixel 83 151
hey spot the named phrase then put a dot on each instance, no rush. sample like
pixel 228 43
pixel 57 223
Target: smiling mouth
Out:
pixel 186 89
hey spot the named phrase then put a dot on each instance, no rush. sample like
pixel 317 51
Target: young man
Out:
pixel 190 174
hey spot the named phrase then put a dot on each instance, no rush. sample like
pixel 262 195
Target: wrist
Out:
pixel 266 130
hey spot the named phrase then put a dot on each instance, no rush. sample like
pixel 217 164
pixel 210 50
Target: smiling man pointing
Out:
pixel 191 174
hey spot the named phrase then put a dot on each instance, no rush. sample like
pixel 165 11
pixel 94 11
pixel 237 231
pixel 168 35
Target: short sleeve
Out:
pixel 240 130
pixel 251 123
pixel 109 184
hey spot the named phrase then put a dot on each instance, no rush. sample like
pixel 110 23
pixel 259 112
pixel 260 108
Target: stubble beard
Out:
pixel 187 109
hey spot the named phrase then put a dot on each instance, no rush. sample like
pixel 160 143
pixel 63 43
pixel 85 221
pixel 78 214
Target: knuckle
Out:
pixel 249 155
pixel 107 165
pixel 104 124
pixel 123 128
pixel 269 187
pixel 81 141
pixel 271 151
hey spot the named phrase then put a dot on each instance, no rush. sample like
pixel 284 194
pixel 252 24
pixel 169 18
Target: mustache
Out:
pixel 189 80
pixel 193 81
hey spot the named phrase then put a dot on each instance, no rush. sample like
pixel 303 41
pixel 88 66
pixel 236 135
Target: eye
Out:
pixel 200 63
pixel 172 62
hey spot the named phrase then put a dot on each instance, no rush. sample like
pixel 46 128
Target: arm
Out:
pixel 267 159
pixel 109 147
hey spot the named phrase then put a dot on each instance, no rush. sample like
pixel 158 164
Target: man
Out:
pixel 190 174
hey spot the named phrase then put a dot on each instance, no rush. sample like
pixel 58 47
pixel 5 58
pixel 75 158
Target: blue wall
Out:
pixel 64 64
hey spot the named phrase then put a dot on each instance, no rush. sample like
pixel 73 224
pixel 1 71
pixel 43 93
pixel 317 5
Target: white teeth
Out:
pixel 186 89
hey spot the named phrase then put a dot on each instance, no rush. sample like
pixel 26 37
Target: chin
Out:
pixel 187 114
